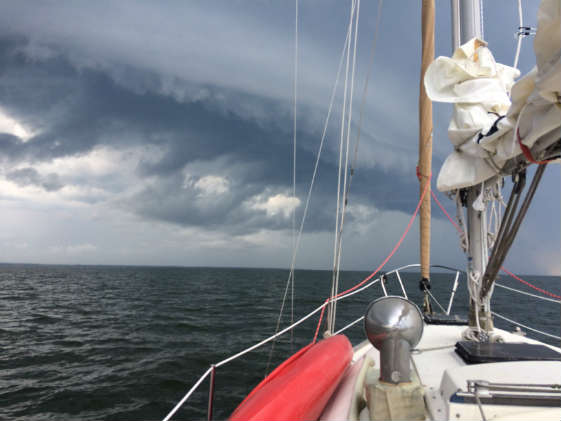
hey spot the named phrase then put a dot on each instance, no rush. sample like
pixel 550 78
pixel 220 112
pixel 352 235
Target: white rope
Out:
pixel 519 43
pixel 494 196
pixel 524 326
pixel 474 333
pixel 347 141
pixel 365 89
pixel 464 239
pixel 292 326
pixel 553 300
pixel 342 208
pixel 340 166
pixel 363 102
pixel 270 338
pixel 335 275
pixel 312 182
pixel 476 394
pixel 187 395
pixel 436 301
pixel 349 325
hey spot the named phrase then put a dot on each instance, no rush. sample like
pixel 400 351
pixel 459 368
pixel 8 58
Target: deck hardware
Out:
pixel 394 326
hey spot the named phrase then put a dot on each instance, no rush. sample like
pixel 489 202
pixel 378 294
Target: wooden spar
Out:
pixel 425 134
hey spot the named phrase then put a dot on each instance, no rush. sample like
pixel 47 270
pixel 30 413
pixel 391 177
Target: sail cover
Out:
pixel 490 109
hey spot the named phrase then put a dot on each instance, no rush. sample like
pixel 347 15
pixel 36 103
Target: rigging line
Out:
pixel 351 324
pixel 286 329
pixel 524 326
pixel 436 301
pixel 528 294
pixel 543 291
pixel 187 395
pixel 476 394
pixel 349 119
pixel 386 260
pixel 363 99
pixel 363 105
pixel 312 182
pixel 496 260
pixel 445 212
pixel 294 168
pixel 343 115
pixel 259 344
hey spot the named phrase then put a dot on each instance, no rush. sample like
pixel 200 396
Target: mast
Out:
pixel 424 168
pixel 466 21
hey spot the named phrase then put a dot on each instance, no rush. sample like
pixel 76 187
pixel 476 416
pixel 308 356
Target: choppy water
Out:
pixel 122 343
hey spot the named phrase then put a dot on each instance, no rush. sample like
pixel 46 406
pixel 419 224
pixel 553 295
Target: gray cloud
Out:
pixel 253 151
pixel 30 177
pixel 204 90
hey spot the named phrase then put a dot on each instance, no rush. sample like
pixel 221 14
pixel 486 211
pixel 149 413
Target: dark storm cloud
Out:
pixel 79 109
pixel 194 99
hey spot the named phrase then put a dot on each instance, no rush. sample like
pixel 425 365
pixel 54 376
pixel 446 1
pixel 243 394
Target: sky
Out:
pixel 150 133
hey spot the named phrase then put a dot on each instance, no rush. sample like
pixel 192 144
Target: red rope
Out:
pixel 526 151
pixel 543 291
pixel 445 213
pixel 369 277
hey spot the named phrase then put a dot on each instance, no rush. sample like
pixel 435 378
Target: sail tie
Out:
pixel 528 153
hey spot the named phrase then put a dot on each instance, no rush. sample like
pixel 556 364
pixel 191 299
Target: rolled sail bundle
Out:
pixel 493 116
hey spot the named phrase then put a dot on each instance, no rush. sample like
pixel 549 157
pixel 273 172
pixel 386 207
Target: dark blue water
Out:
pixel 122 343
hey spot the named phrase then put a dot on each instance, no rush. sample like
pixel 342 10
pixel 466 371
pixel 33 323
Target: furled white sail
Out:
pixel 489 108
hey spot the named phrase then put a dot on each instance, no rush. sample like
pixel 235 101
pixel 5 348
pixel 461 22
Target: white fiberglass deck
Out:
pixel 442 373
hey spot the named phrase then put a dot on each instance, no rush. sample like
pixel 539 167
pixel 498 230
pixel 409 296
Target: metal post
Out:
pixel 478 257
pixel 455 9
pixel 383 279
pixel 470 26
pixel 211 392
pixel 453 293
pixel 401 284
pixel 470 20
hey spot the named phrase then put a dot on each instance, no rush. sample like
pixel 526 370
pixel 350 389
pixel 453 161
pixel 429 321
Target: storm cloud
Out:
pixel 180 118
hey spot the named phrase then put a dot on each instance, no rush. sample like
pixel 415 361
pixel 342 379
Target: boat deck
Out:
pixel 442 373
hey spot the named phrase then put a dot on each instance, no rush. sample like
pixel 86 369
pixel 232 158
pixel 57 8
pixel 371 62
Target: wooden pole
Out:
pixel 425 134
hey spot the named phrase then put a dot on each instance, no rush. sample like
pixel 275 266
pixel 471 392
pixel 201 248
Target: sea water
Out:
pixel 123 343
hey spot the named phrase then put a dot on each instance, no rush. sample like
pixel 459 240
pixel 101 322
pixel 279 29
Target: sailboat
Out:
pixel 416 363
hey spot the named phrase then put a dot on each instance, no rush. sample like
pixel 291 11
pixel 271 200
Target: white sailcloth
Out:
pixel 489 107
